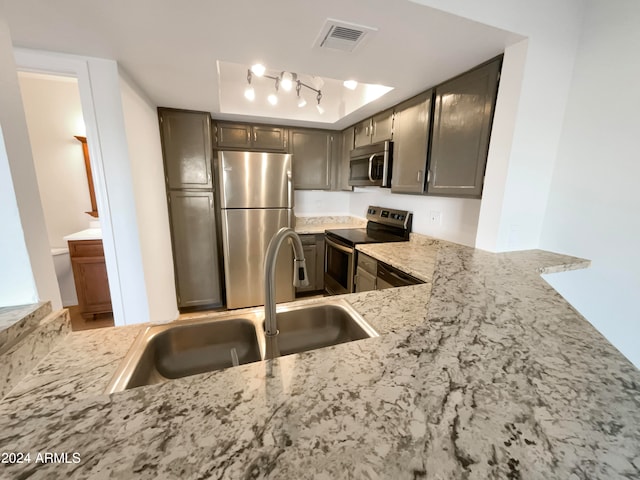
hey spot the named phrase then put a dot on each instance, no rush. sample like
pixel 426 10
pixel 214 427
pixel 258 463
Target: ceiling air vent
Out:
pixel 340 35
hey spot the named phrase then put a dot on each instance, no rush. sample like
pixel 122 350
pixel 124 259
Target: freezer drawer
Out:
pixel 246 235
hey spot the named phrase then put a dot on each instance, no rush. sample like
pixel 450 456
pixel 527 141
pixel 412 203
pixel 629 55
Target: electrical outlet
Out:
pixel 435 217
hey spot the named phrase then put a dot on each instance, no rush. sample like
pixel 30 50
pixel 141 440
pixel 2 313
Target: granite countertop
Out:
pixel 88 234
pixel 482 372
pixel 318 224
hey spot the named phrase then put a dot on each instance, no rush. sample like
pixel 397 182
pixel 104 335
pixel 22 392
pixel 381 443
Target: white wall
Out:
pixel 17 285
pixel 458 216
pixel 145 153
pixel 318 202
pixel 594 206
pixel 25 252
pixel 54 115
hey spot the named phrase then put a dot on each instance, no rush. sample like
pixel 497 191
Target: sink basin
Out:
pixel 189 347
pixel 184 350
pixel 308 328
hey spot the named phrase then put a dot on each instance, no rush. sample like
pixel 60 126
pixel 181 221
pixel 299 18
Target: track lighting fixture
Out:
pixel 286 80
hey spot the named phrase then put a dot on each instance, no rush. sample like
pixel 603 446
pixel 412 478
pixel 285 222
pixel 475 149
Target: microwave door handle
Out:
pixel 371 167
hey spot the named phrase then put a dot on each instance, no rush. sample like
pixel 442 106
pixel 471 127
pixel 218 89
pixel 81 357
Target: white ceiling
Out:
pixel 171 48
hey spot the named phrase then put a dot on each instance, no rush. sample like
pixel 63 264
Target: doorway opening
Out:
pixel 58 142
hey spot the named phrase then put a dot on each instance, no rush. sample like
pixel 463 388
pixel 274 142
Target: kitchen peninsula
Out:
pixel 484 371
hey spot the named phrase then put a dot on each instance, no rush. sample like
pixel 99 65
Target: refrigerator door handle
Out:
pixel 290 194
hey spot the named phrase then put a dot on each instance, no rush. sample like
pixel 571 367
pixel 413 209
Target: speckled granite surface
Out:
pixel 16 321
pixel 487 373
pixel 17 359
pixel 308 225
pixel 81 367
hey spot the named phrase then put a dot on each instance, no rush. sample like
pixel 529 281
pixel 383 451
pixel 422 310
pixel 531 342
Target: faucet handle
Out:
pixel 300 277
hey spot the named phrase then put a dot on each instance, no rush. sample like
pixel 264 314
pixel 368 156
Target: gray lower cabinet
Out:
pixel 251 137
pixel 193 234
pixel 462 118
pixel 411 143
pixel 186 148
pixel 313 246
pixel 366 272
pixel 312 152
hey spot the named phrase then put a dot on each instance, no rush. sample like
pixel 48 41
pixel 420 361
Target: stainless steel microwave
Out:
pixel 371 165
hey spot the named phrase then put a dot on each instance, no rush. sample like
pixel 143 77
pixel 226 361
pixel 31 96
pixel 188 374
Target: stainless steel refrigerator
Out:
pixel 256 200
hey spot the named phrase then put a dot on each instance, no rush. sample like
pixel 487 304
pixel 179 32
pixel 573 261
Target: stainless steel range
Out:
pixel 384 225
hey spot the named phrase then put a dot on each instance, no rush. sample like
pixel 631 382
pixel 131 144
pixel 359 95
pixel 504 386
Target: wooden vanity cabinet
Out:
pixel 90 276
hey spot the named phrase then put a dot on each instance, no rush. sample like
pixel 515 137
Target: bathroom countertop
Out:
pixel 88 234
pixel 482 372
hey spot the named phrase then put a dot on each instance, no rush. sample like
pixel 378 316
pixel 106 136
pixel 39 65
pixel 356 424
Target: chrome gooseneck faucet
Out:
pixel 300 278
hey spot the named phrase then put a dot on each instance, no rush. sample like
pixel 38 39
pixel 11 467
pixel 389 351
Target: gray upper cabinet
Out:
pixel 193 232
pixel 269 138
pixel 311 150
pixel 411 143
pixel 251 137
pixel 375 129
pixel 382 126
pixel 462 120
pixel 187 148
pixel 232 135
pixel 362 133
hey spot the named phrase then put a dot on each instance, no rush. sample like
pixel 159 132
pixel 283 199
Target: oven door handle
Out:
pixel 337 246
pixel 371 167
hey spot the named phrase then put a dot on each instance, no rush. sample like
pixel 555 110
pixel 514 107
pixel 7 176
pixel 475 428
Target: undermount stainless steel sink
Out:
pixel 317 326
pixel 189 347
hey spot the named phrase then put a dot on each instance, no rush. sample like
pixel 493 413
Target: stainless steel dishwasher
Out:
pixel 389 277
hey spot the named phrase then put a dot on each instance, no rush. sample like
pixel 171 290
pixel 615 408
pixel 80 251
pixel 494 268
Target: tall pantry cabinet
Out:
pixel 187 150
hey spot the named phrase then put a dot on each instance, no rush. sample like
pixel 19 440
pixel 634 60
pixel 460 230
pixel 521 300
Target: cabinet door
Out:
pixel 462 121
pixel 362 133
pixel 195 249
pixel 382 126
pixel 310 256
pixel 311 151
pixel 187 148
pixel 234 135
pixel 364 281
pixel 410 144
pixel 269 138
pixel 92 285
pixel 345 158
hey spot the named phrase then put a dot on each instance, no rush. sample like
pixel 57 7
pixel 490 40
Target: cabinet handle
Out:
pixel 248 136
pixel 255 136
pixel 419 176
pixel 428 175
pixel 373 130
pixel 208 177
pixel 366 131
